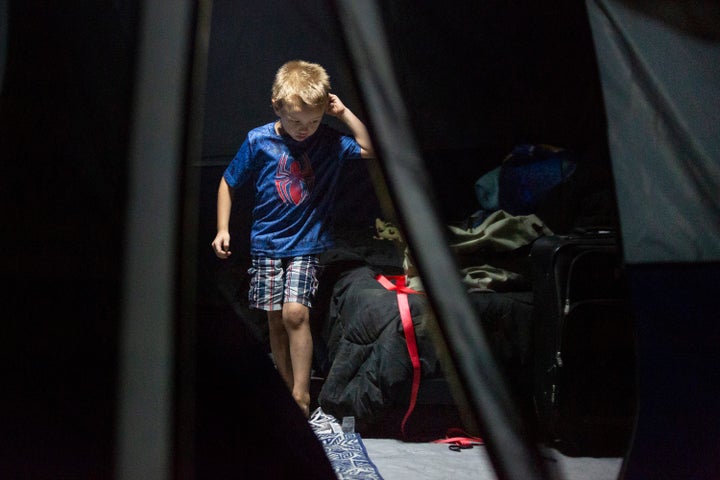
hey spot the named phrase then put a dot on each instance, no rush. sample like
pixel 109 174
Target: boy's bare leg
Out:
pixel 296 318
pixel 280 346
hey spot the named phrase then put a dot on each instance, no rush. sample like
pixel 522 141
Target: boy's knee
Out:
pixel 295 315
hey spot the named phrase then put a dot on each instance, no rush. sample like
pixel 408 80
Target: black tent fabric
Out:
pixel 660 71
pixel 246 424
pixel 660 84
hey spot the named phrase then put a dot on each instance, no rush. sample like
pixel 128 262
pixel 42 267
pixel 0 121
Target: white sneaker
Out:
pixel 322 422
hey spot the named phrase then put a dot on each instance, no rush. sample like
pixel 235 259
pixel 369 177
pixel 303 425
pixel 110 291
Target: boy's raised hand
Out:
pixel 335 106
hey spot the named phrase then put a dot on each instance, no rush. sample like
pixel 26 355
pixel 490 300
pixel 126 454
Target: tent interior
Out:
pixel 129 350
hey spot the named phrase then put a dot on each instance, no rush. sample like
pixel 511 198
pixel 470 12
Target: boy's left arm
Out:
pixel 337 109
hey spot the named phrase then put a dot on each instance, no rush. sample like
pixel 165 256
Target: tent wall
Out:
pixel 662 95
pixel 660 71
pixel 478 78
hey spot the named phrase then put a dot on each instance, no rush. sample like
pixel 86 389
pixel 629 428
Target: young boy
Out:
pixel 295 163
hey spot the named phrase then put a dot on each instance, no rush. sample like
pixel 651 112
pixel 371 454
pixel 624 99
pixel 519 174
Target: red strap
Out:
pixel 406 317
pixel 460 438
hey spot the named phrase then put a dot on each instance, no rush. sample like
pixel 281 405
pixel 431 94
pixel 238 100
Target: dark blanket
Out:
pixel 362 355
pixel 370 368
pixel 507 319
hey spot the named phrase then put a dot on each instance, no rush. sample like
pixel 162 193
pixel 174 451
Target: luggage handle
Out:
pixel 568 281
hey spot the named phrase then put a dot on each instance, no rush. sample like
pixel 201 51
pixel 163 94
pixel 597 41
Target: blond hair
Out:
pixel 299 82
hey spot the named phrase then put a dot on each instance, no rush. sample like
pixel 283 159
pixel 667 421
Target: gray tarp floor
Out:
pixel 398 460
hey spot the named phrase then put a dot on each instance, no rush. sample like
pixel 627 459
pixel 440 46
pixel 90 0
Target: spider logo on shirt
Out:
pixel 294 179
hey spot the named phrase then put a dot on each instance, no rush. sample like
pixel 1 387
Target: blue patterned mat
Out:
pixel 348 456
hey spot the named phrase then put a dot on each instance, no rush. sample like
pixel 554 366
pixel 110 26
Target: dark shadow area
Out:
pixel 64 123
pixel 247 425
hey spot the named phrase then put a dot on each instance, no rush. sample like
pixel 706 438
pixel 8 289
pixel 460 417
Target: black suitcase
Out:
pixel 584 349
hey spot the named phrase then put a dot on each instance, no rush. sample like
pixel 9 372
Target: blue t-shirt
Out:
pixel 294 187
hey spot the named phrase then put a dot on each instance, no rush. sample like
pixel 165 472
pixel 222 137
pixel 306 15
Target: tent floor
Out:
pixel 423 460
pixel 398 460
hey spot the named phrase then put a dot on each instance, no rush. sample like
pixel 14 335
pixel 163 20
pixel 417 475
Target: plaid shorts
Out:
pixel 275 281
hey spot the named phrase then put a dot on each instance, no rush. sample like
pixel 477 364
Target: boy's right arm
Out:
pixel 221 243
pixel 337 109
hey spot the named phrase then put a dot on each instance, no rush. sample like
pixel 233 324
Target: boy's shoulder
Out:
pixel 263 131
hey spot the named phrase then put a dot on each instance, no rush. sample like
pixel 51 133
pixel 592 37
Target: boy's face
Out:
pixel 299 122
